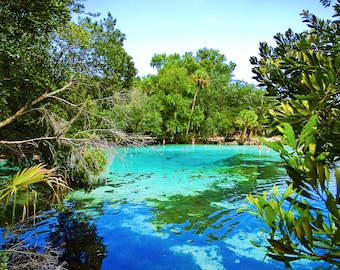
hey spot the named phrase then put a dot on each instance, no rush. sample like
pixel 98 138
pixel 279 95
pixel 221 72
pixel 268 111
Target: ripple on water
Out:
pixel 173 207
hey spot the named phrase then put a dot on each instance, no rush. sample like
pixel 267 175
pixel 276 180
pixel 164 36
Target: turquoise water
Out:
pixel 168 207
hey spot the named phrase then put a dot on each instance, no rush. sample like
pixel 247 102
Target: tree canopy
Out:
pixel 303 72
pixel 193 95
pixel 59 83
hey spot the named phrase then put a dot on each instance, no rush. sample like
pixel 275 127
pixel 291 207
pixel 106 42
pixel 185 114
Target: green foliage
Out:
pixel 307 226
pixel 92 164
pixel 61 83
pixel 302 72
pixel 4 256
pixel 193 95
pixel 246 119
pixel 25 34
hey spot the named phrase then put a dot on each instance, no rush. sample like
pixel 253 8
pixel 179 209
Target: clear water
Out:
pixel 169 207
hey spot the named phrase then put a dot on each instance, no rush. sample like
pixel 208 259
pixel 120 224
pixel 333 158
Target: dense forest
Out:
pixel 69 91
pixel 195 96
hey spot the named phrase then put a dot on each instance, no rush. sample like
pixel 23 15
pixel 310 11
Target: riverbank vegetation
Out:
pixel 69 91
pixel 303 72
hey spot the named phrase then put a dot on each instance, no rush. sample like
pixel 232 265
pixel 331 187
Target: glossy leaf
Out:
pixel 322 156
pixel 276 146
pixel 337 178
pixel 336 237
pixel 289 135
pixel 289 191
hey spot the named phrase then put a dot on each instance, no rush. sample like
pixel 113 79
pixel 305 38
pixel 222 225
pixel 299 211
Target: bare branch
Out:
pixel 27 141
pixel 58 90
pixel 23 109
pixel 69 124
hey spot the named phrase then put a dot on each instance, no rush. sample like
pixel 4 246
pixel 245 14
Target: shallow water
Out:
pixel 169 207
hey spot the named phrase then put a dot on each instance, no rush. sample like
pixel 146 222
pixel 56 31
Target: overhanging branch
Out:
pixel 23 109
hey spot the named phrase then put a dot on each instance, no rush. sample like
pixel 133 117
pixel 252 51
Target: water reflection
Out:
pixel 192 213
pixel 159 209
pixel 83 247
pixel 213 212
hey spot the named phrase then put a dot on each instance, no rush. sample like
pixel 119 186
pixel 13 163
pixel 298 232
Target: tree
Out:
pixel 303 73
pixel 206 70
pixel 62 86
pixel 246 119
pixel 243 96
pixel 174 88
pixel 201 80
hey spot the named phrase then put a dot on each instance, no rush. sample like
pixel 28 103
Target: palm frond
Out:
pixel 25 180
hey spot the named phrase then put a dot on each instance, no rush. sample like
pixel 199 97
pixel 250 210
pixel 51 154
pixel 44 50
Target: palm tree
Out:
pixel 201 79
pixel 246 119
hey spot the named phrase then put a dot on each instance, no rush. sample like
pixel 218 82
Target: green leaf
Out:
pixel 332 206
pixel 270 216
pixel 322 156
pixel 289 191
pixel 289 135
pixel 318 80
pixel 311 125
pixel 336 237
pixel 312 148
pixel 255 243
pixel 321 174
pixel 323 244
pixel 308 231
pixel 337 177
pixel 331 75
pixel 293 162
pixel 299 232
pixel 304 97
pixel 312 170
pixel 276 146
pixel 289 217
pixel 319 220
pixel 306 80
pixel 337 62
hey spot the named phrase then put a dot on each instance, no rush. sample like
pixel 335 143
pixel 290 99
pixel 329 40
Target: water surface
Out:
pixel 169 207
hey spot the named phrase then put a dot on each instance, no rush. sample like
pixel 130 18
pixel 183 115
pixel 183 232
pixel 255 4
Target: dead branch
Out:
pixel 23 257
pixel 23 109
pixel 27 141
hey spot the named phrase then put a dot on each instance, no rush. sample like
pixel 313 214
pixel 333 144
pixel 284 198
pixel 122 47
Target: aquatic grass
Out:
pixel 21 188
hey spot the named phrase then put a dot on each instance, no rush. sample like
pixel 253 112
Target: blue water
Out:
pixel 169 207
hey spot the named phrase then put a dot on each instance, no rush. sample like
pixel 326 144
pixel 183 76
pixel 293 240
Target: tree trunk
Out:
pixel 192 109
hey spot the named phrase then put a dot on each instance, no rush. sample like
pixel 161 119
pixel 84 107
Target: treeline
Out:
pixel 194 95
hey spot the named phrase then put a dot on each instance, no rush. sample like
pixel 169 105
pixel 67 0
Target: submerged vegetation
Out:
pixel 69 92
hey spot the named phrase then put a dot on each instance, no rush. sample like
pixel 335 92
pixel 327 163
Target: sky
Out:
pixel 233 27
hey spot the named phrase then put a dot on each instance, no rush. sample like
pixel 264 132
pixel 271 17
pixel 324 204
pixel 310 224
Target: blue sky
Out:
pixel 234 27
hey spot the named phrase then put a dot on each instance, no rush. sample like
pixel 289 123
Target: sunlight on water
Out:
pixel 187 197
pixel 172 207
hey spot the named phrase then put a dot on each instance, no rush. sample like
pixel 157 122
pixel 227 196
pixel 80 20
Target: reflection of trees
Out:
pixel 83 248
pixel 252 166
pixel 194 213
pixel 212 212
